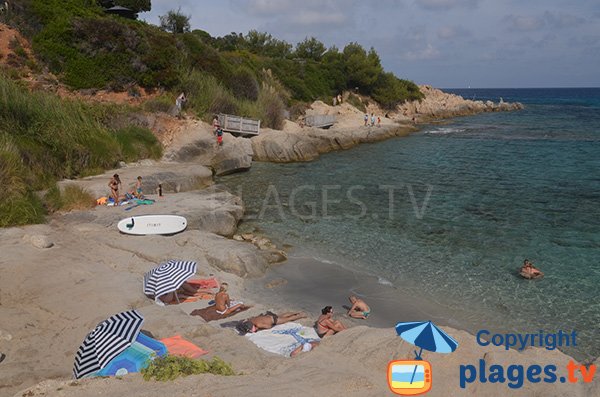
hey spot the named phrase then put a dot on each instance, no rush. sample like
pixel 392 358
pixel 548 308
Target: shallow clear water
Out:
pixel 471 199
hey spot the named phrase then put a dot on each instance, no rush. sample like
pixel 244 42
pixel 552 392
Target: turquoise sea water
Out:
pixel 472 198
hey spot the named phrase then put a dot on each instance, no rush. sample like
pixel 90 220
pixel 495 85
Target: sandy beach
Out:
pixel 62 278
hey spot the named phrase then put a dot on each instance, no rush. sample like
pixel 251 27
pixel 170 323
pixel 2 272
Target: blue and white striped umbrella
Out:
pixel 168 277
pixel 426 335
pixel 109 339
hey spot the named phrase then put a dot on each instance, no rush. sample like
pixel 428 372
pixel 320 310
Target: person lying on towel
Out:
pixel 223 304
pixel 267 321
pixel 182 292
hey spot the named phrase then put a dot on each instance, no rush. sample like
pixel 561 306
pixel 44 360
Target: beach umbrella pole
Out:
pixel 415 370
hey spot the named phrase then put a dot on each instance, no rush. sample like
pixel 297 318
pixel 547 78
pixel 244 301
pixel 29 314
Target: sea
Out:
pixel 449 213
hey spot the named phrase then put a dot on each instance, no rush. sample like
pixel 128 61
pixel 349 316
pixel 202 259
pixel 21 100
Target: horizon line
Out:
pixel 513 88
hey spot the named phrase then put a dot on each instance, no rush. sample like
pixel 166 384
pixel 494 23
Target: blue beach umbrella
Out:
pixel 425 335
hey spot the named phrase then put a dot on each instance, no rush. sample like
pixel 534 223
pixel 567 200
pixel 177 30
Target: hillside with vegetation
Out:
pixel 81 47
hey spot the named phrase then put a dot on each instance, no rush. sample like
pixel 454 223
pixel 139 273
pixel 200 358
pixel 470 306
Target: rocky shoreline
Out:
pixel 60 279
pixel 192 140
pixel 52 294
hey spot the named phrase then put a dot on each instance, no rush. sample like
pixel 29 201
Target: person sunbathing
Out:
pixel 267 321
pixel 304 348
pixel 223 304
pixel 359 308
pixel 326 325
pixel 182 292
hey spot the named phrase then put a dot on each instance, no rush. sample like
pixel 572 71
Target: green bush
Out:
pixel 271 107
pixel 72 198
pixel 18 204
pixel 44 138
pixel 138 142
pixel 243 84
pixel 88 49
pixel 391 91
pixel 224 102
pixel 159 104
pixel 171 367
pixel 202 90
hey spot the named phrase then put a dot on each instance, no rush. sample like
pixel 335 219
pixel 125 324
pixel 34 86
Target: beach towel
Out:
pixel 137 202
pixel 204 283
pixel 197 296
pixel 210 313
pixel 283 339
pixel 177 346
pixel 102 201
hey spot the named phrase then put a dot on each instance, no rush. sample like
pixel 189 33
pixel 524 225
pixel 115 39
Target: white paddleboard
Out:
pixel 152 224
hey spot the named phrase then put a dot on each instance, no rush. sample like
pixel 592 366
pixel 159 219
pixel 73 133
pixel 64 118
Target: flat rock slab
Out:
pixel 174 177
pixel 213 210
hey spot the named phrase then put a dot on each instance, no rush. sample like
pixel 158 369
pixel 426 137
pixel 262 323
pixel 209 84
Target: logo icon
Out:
pixel 409 377
pixel 413 377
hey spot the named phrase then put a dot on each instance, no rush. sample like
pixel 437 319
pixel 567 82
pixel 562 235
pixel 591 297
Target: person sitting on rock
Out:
pixel 359 308
pixel 137 191
pixel 223 304
pixel 326 325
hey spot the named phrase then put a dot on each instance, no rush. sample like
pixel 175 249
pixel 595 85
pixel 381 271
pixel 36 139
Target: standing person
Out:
pixel 113 184
pixel 359 308
pixel 334 101
pixel 216 124
pixel 378 121
pixel 326 325
pixel 220 137
pixel 179 102
pixel 339 98
pixel 372 120
pixel 366 118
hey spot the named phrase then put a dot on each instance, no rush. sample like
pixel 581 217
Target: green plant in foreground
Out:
pixel 73 197
pixel 172 367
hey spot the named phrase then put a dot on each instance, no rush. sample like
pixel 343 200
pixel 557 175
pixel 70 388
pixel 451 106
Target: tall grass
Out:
pixel 44 138
pixel 137 142
pixel 72 198
pixel 207 96
pixel 18 204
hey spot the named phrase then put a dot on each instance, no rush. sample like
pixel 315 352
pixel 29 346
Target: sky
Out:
pixel 445 43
